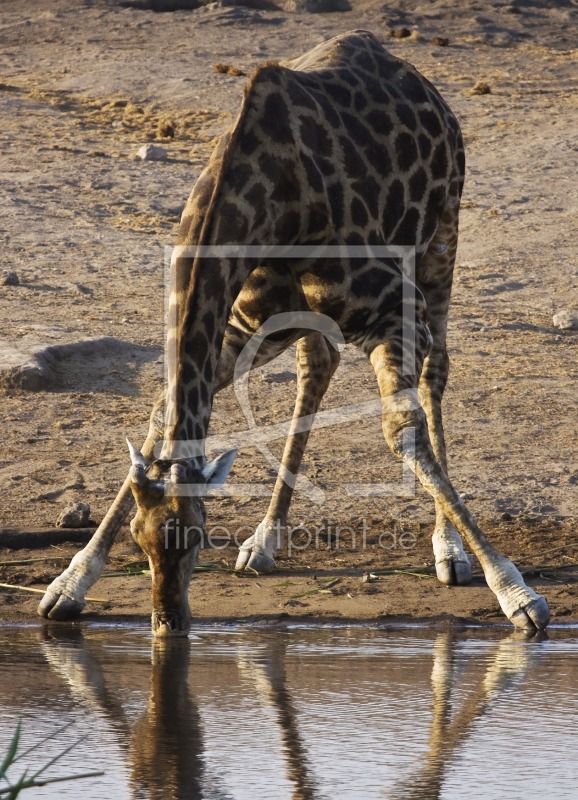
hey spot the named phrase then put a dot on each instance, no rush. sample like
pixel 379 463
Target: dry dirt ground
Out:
pixel 84 224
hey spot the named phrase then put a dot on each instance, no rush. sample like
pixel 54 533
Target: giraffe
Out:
pixel 345 145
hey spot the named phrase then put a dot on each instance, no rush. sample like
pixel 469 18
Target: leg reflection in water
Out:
pixel 267 673
pixel 507 664
pixel 164 748
pixel 152 706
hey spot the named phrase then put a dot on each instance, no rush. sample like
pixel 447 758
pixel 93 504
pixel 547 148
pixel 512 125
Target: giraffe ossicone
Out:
pixel 346 145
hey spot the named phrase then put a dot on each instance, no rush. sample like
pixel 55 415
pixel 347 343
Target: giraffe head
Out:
pixel 169 525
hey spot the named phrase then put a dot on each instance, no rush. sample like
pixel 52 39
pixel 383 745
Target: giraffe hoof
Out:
pixel 250 558
pixel 532 618
pixel 261 563
pixel 253 553
pixel 453 573
pixel 258 562
pixel 59 607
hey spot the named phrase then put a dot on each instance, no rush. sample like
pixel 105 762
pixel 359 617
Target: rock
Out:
pixel 10 279
pixel 26 365
pixel 152 152
pixel 76 515
pixel 566 320
pixel 227 69
pixel 441 41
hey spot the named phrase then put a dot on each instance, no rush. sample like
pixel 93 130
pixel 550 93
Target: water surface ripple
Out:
pixel 303 714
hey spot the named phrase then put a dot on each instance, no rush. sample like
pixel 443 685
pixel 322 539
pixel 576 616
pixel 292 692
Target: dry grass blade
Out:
pixel 134 569
pixel 22 561
pixel 19 588
pixel 324 589
pixel 418 572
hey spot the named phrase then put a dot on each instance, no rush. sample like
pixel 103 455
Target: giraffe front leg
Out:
pixel 522 605
pixel 65 597
pixel 452 564
pixel 316 363
pixel 405 430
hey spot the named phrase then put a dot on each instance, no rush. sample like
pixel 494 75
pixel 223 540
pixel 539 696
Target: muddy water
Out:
pixel 301 713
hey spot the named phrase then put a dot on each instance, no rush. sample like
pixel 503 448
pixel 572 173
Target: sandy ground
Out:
pixel 85 224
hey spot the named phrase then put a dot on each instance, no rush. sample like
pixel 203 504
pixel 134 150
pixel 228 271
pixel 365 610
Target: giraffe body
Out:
pixel 345 146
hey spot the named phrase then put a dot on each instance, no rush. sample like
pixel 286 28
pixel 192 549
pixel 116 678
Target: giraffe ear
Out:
pixel 136 457
pixel 139 465
pixel 215 473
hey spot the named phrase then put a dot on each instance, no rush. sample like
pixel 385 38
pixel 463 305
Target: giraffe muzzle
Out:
pixel 170 623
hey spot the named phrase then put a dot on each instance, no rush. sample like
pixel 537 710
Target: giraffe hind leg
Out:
pixel 434 278
pixel 451 562
pixel 405 430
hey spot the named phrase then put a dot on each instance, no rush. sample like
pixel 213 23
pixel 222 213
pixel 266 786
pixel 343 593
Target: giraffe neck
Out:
pixel 205 286
pixel 197 346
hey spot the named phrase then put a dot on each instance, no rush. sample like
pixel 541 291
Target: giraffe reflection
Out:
pixel 165 747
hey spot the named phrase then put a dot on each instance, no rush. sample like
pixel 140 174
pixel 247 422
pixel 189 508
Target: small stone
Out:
pixel 481 87
pixel 10 279
pixel 152 152
pixel 566 320
pixel 441 41
pixel 76 515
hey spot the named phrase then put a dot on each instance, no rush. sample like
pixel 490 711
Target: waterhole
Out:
pixel 302 713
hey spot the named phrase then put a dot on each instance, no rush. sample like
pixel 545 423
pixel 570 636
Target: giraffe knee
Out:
pixel 405 432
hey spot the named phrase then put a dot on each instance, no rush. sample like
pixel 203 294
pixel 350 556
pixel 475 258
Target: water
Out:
pixel 249 713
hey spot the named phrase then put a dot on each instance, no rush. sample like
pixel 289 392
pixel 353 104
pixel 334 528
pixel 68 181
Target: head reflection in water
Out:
pixel 166 743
